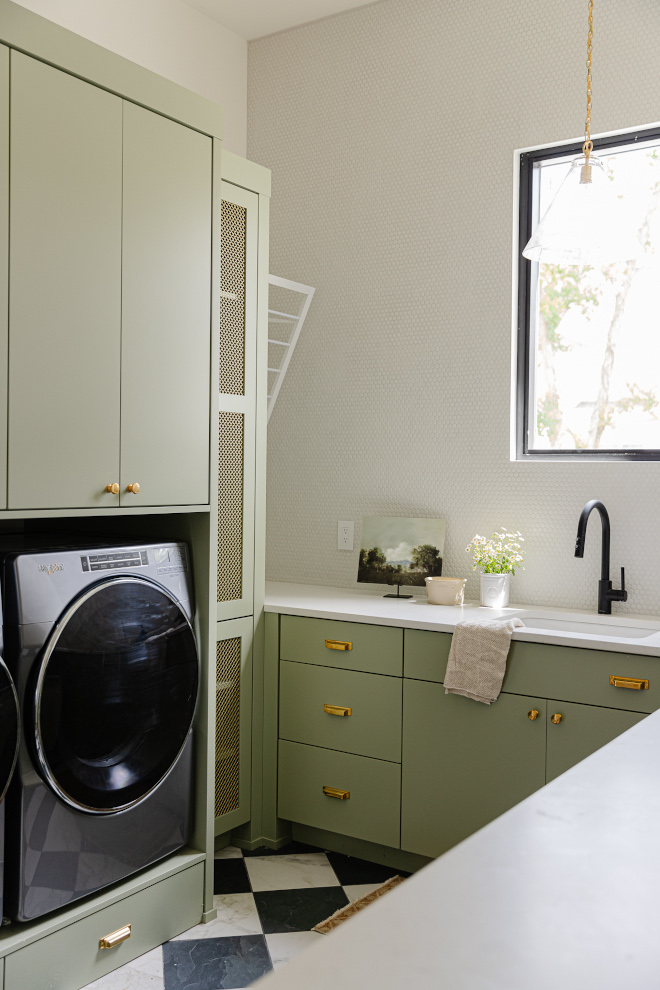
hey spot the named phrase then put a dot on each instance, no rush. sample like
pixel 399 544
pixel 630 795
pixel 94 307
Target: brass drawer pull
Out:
pixel 336 792
pixel 115 938
pixel 533 715
pixel 337 710
pixel 335 644
pixel 556 719
pixel 636 683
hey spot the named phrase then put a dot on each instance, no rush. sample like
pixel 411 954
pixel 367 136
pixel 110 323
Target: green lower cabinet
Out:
pixel 339 792
pixel 464 763
pixel 341 709
pixel 581 730
pixel 72 957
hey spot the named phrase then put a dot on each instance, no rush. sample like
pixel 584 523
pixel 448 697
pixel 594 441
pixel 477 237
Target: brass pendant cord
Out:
pixel 588 145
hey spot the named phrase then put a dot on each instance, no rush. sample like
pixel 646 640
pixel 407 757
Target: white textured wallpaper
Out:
pixel 390 131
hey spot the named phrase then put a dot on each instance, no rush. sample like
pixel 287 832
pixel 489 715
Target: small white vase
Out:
pixel 495 590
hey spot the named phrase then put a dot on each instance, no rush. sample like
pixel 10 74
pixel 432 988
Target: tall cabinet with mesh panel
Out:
pixel 241 431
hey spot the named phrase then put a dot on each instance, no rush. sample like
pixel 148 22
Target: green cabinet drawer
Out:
pixel 581 731
pixel 71 957
pixel 349 645
pixel 564 672
pixel 572 674
pixel 372 811
pixel 313 700
pixel 425 654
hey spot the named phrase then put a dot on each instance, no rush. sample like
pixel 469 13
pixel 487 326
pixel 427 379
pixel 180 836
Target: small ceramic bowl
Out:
pixel 445 590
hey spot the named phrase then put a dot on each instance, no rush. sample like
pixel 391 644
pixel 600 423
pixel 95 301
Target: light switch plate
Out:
pixel 345 531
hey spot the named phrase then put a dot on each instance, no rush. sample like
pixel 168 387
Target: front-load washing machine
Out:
pixel 9 722
pixel 101 648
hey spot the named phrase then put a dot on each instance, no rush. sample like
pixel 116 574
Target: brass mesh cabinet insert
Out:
pixel 233 221
pixel 227 725
pixel 230 506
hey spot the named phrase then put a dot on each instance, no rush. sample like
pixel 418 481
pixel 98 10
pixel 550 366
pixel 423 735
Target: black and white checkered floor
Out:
pixel 267 904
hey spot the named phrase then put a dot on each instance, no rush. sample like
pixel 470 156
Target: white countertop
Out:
pixel 619 633
pixel 561 891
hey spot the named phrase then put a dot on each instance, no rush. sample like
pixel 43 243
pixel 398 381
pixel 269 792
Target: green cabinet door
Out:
pixel 64 289
pixel 4 269
pixel 166 311
pixel 464 763
pixel 581 730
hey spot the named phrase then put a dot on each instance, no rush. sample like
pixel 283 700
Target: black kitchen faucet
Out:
pixel 606 593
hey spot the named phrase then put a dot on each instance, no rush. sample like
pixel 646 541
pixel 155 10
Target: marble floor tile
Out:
pixel 356 890
pixel 290 872
pixel 297 910
pixel 230 877
pixel 237 915
pixel 286 945
pixel 215 963
pixel 143 973
pixel 353 871
pixel 229 852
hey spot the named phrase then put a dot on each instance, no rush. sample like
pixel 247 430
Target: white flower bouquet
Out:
pixel 500 555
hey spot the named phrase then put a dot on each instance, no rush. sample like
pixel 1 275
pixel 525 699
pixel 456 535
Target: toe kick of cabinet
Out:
pixel 352 795
pixel 73 957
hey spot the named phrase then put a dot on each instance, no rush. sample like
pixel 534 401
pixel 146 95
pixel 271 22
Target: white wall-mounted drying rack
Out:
pixel 285 325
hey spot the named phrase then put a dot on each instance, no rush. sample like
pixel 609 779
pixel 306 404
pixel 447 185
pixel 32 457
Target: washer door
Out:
pixel 8 729
pixel 115 694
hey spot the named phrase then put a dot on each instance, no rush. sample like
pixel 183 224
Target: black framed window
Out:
pixel 588 341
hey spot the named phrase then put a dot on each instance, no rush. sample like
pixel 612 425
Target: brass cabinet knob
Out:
pixel 114 489
pixel 533 715
pixel 556 718
pixel 135 488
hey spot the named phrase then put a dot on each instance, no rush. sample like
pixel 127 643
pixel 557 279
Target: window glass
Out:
pixel 591 375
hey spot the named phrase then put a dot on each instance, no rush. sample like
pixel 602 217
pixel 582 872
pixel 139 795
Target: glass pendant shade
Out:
pixel 585 223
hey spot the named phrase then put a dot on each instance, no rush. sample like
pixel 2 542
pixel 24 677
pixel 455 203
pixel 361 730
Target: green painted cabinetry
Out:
pixel 166 311
pixel 352 795
pixel 64 289
pixel 351 645
pixel 341 709
pixel 581 731
pixel 4 265
pixel 109 299
pixel 464 763
pixel 72 957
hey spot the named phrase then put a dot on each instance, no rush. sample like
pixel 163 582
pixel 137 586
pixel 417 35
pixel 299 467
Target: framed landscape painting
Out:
pixel 400 551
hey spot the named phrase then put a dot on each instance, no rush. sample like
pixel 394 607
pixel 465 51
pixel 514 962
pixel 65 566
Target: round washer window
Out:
pixel 115 694
pixel 8 728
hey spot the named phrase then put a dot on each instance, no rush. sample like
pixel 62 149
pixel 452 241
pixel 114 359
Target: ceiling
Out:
pixel 254 18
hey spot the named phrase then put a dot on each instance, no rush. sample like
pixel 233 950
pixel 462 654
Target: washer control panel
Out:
pixel 111 561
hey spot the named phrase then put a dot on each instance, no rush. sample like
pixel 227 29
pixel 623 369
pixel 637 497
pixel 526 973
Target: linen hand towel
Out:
pixel 477 658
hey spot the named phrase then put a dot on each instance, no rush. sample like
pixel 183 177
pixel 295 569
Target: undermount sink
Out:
pixel 585 628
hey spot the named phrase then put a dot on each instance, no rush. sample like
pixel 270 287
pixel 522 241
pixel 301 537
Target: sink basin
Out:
pixel 585 628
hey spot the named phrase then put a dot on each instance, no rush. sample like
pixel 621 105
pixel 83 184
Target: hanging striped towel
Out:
pixel 477 658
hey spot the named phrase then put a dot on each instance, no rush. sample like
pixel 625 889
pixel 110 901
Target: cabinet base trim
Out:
pixel 360 848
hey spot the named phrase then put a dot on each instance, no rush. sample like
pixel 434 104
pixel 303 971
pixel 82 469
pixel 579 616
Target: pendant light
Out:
pixel 585 223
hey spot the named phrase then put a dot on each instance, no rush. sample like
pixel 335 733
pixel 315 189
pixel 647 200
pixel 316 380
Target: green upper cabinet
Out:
pixel 4 261
pixel 110 299
pixel 64 289
pixel 166 311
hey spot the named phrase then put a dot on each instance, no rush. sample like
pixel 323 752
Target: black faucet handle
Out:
pixel 620 595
